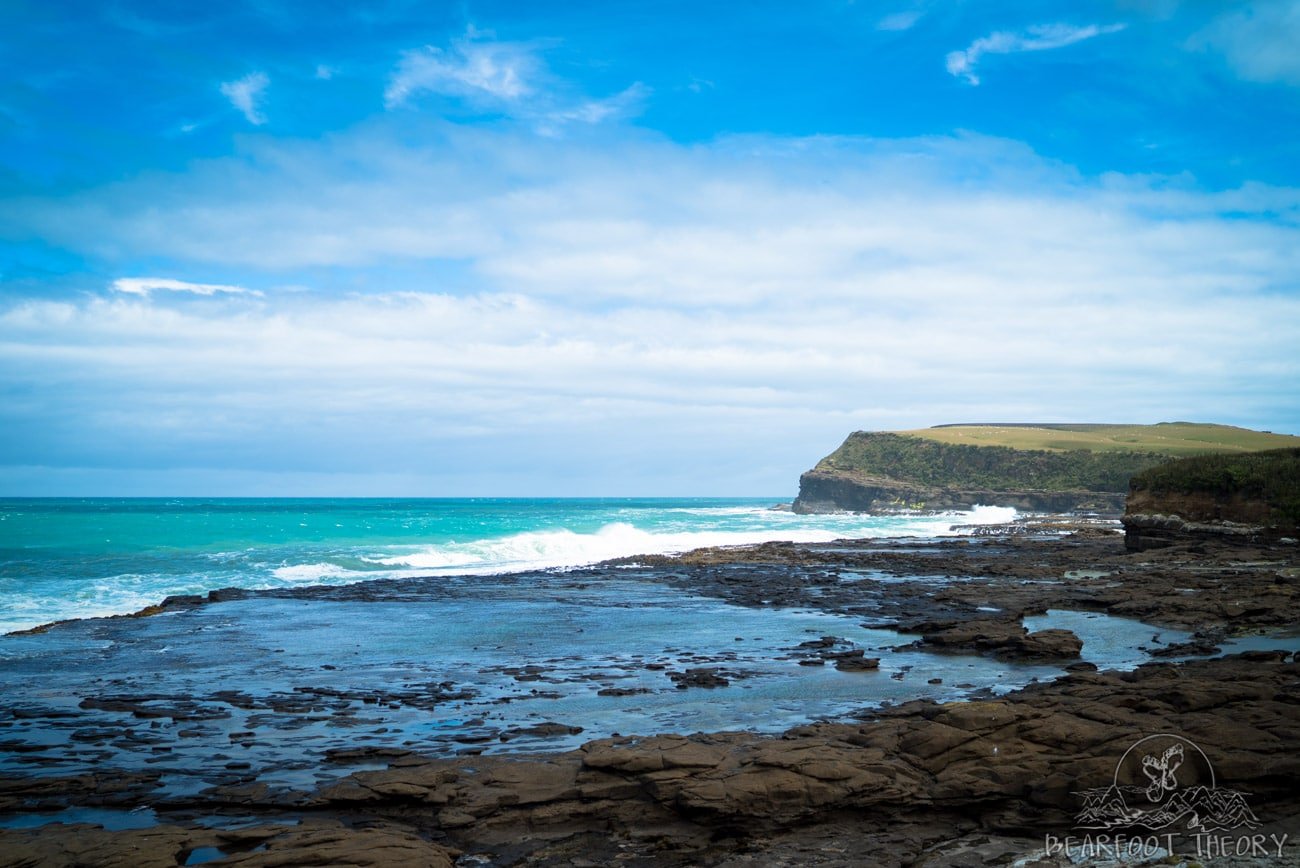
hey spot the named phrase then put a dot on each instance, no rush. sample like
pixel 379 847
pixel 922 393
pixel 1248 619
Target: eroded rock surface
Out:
pixel 960 783
pixel 914 776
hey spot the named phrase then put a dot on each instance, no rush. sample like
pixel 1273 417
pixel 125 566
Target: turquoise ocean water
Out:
pixel 76 558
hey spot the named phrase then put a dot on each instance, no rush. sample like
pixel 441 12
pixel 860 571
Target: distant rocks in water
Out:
pixel 700 677
pixel 856 662
pixel 1004 638
pixel 834 650
pixel 1243 498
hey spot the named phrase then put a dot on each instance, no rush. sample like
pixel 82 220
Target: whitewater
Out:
pixel 80 558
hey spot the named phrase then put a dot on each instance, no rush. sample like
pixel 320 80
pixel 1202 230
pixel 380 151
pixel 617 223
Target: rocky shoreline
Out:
pixel 973 782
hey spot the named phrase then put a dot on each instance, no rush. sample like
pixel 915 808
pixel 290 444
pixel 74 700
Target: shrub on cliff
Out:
pixel 947 465
pixel 1272 477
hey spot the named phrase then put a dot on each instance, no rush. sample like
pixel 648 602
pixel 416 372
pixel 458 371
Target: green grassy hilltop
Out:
pixel 1165 438
pixel 1078 457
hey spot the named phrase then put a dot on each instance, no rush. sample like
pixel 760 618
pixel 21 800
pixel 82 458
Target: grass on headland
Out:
pixel 1165 438
pixel 1100 458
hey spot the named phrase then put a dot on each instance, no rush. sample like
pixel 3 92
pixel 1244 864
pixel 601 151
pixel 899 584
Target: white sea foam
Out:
pixel 565 548
pixel 541 549
pixel 297 574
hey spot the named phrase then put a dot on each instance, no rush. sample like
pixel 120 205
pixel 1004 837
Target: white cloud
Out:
pixel 506 77
pixel 146 285
pixel 899 20
pixel 1261 41
pixel 595 111
pixel 1042 37
pixel 629 312
pixel 503 72
pixel 325 72
pixel 247 95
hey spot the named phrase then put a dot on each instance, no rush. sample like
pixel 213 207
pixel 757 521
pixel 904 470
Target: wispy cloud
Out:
pixel 1260 41
pixel 247 95
pixel 474 68
pixel 1041 37
pixel 506 77
pixel 146 285
pixel 899 20
pixel 595 111
pixel 907 14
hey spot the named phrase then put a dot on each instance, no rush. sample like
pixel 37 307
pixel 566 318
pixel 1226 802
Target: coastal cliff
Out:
pixel 1036 468
pixel 1230 497
pixel 837 491
pixel 883 471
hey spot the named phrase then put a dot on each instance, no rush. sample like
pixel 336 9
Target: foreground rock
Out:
pixel 967 783
pixel 907 786
pixel 1205 585
pixel 166 846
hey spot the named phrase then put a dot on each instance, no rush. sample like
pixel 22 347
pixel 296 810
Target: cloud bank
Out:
pixel 740 306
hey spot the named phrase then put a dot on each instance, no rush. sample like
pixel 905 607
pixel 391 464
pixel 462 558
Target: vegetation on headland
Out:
pixel 1101 458
pixel 1271 477
pixel 1165 438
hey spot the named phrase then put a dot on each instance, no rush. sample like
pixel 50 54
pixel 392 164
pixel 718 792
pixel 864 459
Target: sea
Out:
pixel 443 627
pixel 70 558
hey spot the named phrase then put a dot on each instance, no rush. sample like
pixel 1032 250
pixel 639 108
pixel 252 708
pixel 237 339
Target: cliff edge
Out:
pixel 1247 498
pixel 1035 468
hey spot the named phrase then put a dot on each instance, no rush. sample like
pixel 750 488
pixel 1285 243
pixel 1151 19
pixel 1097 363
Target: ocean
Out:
pixel 63 558
pixel 445 627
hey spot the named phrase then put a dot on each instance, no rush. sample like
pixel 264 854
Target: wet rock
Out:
pixel 857 664
pixel 1000 637
pixel 541 730
pixel 166 846
pixel 699 677
pixel 622 691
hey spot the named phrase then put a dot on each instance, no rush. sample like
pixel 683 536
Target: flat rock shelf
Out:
pixel 527 717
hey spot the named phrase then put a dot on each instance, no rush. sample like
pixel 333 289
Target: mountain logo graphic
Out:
pixel 1165 782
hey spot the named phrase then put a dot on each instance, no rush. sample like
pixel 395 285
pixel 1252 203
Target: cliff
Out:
pixel 1036 468
pixel 1250 497
pixel 821 491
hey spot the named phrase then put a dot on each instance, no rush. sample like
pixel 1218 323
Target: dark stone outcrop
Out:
pixel 921 783
pixel 960 783
pixel 166 846
pixel 1240 499
pixel 1004 638
pixel 1143 531
pixel 824 491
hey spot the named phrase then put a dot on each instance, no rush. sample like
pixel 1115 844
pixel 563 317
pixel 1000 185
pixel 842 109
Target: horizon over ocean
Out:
pixel 80 557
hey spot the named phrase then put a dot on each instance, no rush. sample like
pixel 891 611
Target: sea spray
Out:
pixel 81 558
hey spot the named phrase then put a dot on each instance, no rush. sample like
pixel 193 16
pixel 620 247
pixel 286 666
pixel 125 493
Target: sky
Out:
pixel 626 248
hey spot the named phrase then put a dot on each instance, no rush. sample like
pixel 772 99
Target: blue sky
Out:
pixel 491 248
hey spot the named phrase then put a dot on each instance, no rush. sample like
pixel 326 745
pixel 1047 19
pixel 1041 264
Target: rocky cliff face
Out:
pixel 877 471
pixel 823 491
pixel 1152 520
pixel 1245 498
